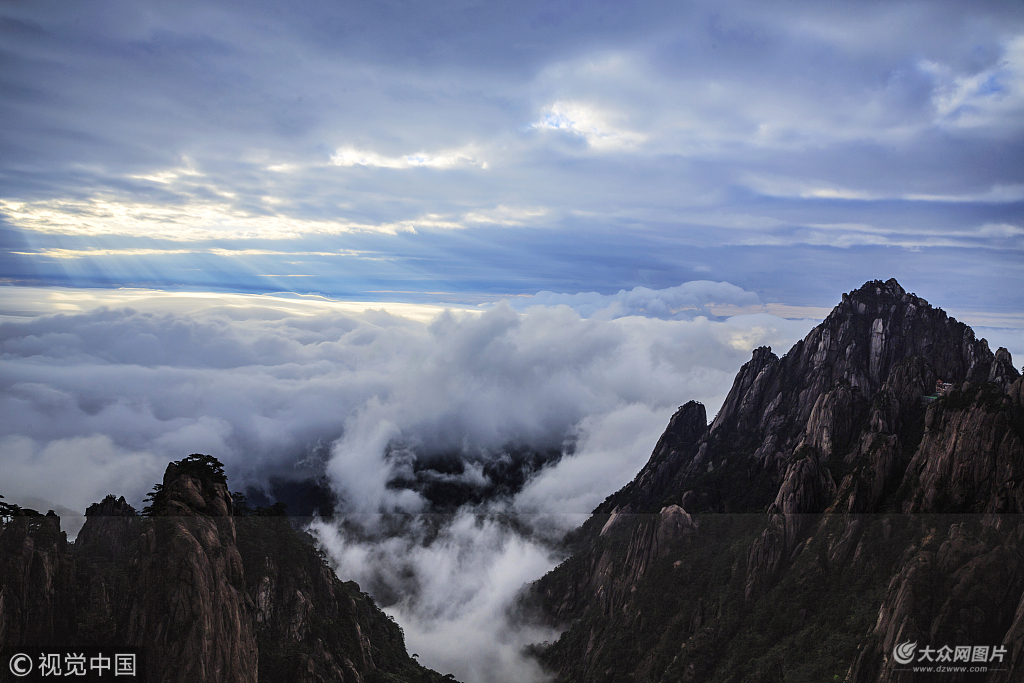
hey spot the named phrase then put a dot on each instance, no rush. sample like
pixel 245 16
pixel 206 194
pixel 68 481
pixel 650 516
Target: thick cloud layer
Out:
pixel 97 401
pixel 279 392
pixel 454 595
pixel 598 153
pixel 679 302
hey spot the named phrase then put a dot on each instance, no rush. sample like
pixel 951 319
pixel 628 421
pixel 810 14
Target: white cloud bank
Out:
pixel 262 385
pixel 455 592
pixel 98 402
pixel 680 303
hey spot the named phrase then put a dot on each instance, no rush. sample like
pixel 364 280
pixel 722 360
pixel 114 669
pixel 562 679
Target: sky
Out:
pixel 467 152
pixel 295 235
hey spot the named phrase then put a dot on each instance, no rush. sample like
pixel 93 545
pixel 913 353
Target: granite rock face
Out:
pixel 210 591
pixel 971 458
pixel 861 491
pixel 35 574
pixel 194 621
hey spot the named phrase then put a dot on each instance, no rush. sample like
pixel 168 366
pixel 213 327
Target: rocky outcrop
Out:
pixel 845 363
pixel 961 590
pixel 971 457
pixel 208 594
pixel 310 626
pixel 35 575
pixel 105 577
pixel 806 490
pixel 189 607
pixel 675 447
pixel 112 530
pixel 833 420
pixel 841 471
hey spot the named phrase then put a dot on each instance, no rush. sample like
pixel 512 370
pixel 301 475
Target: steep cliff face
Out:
pixel 309 625
pixel 208 594
pixel 970 458
pixel 840 470
pixel 675 447
pixel 35 572
pixel 105 554
pixel 189 607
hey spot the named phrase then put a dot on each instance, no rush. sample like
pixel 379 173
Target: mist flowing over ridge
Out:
pixel 472 443
pixel 434 278
pixel 271 388
pixel 488 416
pixel 205 587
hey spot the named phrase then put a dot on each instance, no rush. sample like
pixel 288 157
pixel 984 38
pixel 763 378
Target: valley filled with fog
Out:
pixel 460 444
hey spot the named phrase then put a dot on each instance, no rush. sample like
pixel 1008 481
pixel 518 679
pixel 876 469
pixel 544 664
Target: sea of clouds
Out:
pixel 98 400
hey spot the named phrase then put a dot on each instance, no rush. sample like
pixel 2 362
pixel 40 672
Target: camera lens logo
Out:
pixel 904 652
pixel 21 665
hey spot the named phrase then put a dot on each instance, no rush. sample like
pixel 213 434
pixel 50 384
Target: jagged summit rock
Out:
pixel 111 507
pixel 844 362
pixel 871 360
pixel 833 461
pixel 685 428
pixel 209 595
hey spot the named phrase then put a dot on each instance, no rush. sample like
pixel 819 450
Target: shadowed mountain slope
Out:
pixel 211 590
pixel 835 507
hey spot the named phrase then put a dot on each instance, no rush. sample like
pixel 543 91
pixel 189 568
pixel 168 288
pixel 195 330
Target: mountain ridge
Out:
pixel 209 588
pixel 832 465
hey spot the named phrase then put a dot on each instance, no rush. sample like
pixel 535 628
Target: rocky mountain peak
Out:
pixel 111 506
pixel 207 595
pixel 871 361
pixel 194 485
pixel 890 289
pixel 880 324
pixel 685 429
pixel 878 466
pixel 109 529
pixel 688 423
pixel 879 350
